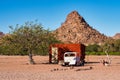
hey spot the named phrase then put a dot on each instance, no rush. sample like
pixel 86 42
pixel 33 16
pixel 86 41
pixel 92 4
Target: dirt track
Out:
pixel 17 68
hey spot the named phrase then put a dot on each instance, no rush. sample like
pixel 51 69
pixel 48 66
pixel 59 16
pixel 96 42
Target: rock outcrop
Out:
pixel 117 36
pixel 76 30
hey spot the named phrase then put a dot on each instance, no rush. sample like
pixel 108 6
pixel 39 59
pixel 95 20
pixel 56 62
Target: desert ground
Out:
pixel 18 68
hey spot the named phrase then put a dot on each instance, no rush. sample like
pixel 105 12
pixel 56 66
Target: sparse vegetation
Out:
pixel 112 46
pixel 27 39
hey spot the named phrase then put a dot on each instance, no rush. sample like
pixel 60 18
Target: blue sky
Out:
pixel 103 15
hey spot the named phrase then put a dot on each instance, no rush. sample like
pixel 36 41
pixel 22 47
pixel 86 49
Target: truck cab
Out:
pixel 71 58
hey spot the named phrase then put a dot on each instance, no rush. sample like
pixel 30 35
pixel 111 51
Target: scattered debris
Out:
pixel 105 63
pixel 57 69
pixel 91 67
pixel 84 69
pixel 62 69
pixel 70 68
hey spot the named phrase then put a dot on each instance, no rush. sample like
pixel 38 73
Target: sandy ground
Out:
pixel 18 68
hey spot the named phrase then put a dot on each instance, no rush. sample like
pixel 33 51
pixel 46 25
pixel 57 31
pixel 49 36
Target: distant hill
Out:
pixel 76 30
pixel 116 36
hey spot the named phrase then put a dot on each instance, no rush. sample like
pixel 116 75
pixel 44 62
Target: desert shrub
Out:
pixel 92 48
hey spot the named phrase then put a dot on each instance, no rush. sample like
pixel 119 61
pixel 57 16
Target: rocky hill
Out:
pixel 76 30
pixel 117 36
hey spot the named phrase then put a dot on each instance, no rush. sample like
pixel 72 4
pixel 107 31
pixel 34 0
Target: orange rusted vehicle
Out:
pixel 57 51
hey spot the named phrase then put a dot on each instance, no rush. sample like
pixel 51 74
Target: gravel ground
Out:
pixel 18 68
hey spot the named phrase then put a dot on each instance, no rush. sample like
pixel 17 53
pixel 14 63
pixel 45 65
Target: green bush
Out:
pixel 102 53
